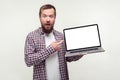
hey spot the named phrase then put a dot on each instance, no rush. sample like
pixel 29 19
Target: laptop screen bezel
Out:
pixel 82 27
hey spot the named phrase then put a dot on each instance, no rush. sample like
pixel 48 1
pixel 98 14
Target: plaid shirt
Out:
pixel 36 53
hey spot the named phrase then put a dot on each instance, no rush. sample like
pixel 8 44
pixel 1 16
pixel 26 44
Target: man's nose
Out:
pixel 48 18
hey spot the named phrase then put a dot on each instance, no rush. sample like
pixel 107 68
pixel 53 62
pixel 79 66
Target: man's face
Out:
pixel 47 19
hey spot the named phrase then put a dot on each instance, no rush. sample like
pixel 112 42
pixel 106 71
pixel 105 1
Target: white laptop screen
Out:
pixel 82 37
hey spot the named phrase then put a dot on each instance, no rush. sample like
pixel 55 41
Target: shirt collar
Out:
pixel 41 31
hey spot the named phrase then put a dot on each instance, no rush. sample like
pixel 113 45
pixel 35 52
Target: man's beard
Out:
pixel 47 31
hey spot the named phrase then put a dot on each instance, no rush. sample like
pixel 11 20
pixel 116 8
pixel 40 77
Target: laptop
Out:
pixel 82 40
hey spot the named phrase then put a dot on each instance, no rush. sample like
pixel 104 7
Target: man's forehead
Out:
pixel 48 12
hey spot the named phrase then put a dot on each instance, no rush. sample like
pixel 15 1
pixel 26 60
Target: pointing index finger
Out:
pixel 60 42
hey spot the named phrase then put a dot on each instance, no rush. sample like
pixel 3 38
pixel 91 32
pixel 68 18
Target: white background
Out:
pixel 19 17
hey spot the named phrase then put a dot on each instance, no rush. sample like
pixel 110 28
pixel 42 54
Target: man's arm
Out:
pixel 33 57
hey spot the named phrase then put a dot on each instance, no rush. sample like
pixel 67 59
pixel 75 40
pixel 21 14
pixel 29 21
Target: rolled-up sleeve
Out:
pixel 73 58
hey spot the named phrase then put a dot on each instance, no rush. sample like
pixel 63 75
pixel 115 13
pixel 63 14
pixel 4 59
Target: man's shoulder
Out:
pixel 34 32
pixel 58 33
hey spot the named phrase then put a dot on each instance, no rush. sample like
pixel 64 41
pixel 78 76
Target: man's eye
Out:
pixel 44 16
pixel 51 16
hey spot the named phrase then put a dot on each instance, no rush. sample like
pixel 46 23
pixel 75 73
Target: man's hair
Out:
pixel 47 6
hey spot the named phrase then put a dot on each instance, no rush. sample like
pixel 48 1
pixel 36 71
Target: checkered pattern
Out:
pixel 36 53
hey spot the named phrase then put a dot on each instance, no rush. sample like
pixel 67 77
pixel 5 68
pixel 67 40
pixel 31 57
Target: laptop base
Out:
pixel 100 49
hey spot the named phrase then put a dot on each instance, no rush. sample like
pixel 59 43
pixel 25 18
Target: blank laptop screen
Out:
pixel 82 37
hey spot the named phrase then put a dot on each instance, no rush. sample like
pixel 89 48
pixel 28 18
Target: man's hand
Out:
pixel 57 45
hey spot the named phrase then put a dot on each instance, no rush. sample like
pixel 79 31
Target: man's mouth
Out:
pixel 47 24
